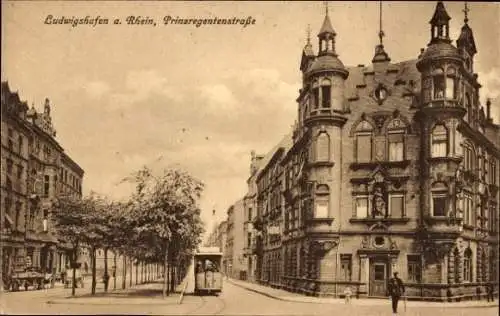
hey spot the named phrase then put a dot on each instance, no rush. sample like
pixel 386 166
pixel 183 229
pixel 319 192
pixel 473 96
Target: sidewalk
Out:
pixel 150 294
pixel 294 297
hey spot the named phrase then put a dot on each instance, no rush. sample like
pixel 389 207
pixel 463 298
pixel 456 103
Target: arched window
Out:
pixel 438 83
pixel 326 95
pixel 439 141
pixel 323 147
pixel 469 157
pixel 467 265
pixel 395 138
pixel 364 133
pixel 439 199
pixel 451 92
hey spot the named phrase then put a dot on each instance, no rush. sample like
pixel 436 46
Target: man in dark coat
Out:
pixel 396 289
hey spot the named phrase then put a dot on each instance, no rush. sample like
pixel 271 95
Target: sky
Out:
pixel 200 98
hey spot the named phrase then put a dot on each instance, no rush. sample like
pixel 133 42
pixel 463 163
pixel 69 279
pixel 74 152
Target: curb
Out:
pixel 75 301
pixel 333 303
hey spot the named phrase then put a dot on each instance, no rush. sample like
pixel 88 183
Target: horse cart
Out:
pixel 30 277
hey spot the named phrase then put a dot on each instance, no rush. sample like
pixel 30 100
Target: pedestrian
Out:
pixel 396 289
pixel 489 292
pixel 347 294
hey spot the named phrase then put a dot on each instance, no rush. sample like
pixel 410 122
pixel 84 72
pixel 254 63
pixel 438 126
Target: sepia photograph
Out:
pixel 250 158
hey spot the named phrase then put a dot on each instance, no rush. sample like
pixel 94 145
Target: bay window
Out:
pixel 323 147
pixel 438 84
pixel 439 201
pixel 439 141
pixel 451 84
pixel 326 88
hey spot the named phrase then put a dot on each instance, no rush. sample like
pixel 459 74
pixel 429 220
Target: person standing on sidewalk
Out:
pixel 396 289
pixel 489 292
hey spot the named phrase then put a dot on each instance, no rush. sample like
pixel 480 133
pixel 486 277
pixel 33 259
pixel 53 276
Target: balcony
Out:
pixel 371 165
pixel 326 114
pixel 385 220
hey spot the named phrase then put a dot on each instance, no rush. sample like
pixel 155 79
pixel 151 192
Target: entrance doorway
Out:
pixel 379 275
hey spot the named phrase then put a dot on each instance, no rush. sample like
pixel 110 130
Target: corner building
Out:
pixel 392 167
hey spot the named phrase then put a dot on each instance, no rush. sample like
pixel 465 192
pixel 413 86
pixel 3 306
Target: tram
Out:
pixel 207 271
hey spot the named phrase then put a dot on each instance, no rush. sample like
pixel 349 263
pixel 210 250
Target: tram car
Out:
pixel 207 271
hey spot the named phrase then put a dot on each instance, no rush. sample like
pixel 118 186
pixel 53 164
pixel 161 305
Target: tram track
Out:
pixel 207 304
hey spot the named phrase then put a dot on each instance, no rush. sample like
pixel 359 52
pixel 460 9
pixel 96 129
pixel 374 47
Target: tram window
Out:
pixel 199 267
pixel 211 266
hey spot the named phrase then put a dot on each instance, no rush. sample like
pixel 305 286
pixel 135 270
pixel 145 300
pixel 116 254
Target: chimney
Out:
pixel 488 110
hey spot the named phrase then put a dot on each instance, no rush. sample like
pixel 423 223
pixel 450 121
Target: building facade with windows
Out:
pixel 250 207
pixel 37 171
pixel 391 167
pixel 233 252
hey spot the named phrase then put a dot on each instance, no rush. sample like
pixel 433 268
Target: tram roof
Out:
pixel 202 251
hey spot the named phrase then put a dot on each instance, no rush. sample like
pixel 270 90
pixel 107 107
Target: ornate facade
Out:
pixel 391 167
pixel 37 170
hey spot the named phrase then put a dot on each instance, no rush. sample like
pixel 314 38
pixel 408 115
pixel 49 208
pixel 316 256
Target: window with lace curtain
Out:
pixel 439 141
pixel 364 134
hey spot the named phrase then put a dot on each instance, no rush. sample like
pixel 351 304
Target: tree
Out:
pixel 70 217
pixel 164 211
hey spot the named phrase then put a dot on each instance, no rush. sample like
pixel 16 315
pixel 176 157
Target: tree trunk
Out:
pixel 124 272
pixel 137 273
pixel 131 270
pixel 142 272
pixel 165 273
pixel 94 272
pixel 172 279
pixel 169 268
pixel 116 269
pixel 73 277
pixel 106 275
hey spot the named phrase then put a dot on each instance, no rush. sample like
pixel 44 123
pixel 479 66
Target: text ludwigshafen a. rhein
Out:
pixel 146 20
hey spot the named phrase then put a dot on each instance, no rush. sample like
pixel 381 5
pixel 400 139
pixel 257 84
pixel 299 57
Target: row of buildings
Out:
pixel 35 170
pixel 389 167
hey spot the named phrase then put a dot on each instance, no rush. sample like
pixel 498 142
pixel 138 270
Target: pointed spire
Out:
pixel 466 38
pixel 381 33
pixel 440 16
pixel 440 25
pixel 380 54
pixel 466 11
pixel 327 24
pixel 308 50
pixel 308 34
